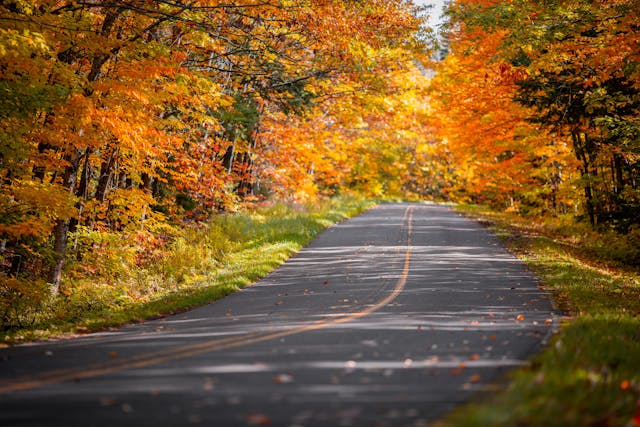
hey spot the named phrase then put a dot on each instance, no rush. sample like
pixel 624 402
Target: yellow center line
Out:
pixel 94 370
pixel 66 374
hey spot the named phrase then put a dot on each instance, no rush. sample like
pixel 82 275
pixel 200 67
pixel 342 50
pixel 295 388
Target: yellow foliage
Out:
pixel 31 208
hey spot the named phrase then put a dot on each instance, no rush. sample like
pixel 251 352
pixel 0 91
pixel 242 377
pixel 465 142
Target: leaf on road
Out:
pixel 283 379
pixel 107 401
pixel 208 385
pixel 258 420
pixel 350 365
pixel 520 317
pixel 432 360
pixel 475 378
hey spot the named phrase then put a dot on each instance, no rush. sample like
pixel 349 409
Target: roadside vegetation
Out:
pixel 589 374
pixel 141 277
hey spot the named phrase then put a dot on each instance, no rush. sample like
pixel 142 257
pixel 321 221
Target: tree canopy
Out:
pixel 125 121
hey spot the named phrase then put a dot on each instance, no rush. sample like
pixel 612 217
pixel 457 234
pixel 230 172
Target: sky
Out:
pixel 434 12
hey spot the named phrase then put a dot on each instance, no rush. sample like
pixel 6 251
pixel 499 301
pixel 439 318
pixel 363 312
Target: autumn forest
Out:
pixel 127 125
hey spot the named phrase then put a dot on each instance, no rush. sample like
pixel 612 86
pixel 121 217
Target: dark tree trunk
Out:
pixel 229 157
pixel 106 174
pixel 147 183
pixel 580 147
pixel 83 187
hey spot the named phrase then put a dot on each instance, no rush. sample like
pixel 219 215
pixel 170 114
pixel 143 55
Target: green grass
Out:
pixel 589 375
pixel 200 265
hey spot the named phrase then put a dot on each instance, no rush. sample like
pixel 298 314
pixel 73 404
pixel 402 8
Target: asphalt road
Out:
pixel 389 319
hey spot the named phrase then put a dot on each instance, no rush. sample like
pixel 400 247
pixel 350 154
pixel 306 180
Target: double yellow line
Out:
pixel 142 360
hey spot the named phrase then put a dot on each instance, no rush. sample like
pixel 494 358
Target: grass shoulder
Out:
pixel 122 281
pixel 589 375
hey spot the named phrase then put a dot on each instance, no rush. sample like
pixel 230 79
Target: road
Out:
pixel 389 319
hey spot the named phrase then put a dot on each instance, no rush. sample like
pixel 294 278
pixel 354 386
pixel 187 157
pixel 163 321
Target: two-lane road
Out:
pixel 388 319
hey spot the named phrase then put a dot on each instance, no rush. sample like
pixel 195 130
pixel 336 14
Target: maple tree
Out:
pixel 533 81
pixel 498 156
pixel 127 118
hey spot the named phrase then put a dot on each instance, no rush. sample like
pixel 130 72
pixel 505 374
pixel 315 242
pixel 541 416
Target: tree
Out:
pixel 141 113
pixel 575 70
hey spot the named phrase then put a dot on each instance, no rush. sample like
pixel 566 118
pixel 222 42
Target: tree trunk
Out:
pixel 618 176
pixel 61 230
pixel 83 187
pixel 229 157
pixel 106 173
pixel 580 148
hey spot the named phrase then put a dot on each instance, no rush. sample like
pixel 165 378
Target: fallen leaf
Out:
pixel 283 379
pixel 520 317
pixel 475 378
pixel 258 420
pixel 113 354
pixel 548 321
pixel 107 401
pixel 228 315
pixel 432 360
pixel 474 357
pixel 624 385
pixel 208 385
